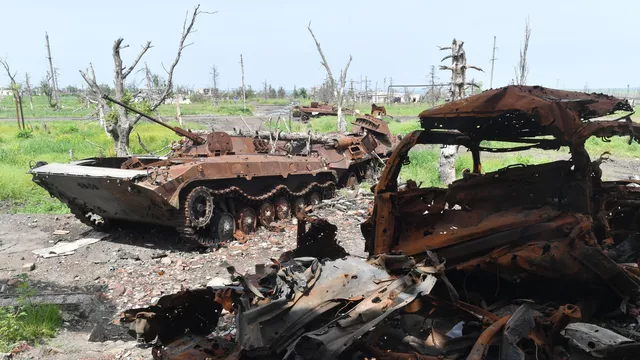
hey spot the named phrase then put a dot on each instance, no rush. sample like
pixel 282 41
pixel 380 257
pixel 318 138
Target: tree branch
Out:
pixel 146 47
pixel 324 60
pixel 5 64
pixel 187 28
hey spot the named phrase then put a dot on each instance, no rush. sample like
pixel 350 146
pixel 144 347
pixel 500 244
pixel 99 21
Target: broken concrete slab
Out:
pixel 68 248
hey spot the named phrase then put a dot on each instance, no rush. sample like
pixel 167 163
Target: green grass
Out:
pixel 413 109
pixel 281 102
pixel 206 108
pixel 28 322
pixel 70 106
pixel 327 124
pixel 423 166
pixel 53 146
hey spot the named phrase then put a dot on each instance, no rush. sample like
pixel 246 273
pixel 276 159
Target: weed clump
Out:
pixel 27 321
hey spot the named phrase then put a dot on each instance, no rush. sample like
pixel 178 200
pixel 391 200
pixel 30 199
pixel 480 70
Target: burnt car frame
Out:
pixel 491 219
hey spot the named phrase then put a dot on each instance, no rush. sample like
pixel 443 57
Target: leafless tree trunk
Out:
pixel 244 93
pixel 121 127
pixel 214 77
pixel 458 68
pixel 522 70
pixel 27 84
pixel 17 96
pixel 54 79
pixel 338 91
pixel 178 110
pixel 266 89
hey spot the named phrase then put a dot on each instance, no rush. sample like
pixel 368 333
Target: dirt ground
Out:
pixel 134 266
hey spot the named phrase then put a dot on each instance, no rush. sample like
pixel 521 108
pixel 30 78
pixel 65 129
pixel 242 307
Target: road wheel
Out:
pixel 266 213
pixel 298 204
pixel 314 198
pixel 247 220
pixel 283 208
pixel 222 227
pixel 199 207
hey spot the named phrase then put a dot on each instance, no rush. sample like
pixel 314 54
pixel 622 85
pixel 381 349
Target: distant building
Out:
pixel 203 91
pixel 5 92
pixel 182 98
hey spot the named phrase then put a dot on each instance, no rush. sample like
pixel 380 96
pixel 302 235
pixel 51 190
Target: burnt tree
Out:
pixel 337 87
pixel 215 78
pixel 522 70
pixel 17 95
pixel 120 123
pixel 458 68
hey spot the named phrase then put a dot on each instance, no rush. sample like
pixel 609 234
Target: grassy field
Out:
pixel 71 107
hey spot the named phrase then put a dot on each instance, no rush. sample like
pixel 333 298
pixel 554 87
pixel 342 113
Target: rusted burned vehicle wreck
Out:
pixel 528 262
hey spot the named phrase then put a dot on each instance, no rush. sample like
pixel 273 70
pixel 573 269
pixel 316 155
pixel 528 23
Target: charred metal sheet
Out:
pixel 523 111
pixel 592 338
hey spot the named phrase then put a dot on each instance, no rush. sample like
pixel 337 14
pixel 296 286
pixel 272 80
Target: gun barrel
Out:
pixel 180 131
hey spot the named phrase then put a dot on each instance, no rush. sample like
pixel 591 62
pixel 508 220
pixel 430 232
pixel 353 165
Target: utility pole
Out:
pixel 54 81
pixel 353 94
pixel 493 60
pixel 376 93
pixel 366 88
pixel 244 94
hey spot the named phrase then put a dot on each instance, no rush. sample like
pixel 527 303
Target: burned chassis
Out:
pixel 412 220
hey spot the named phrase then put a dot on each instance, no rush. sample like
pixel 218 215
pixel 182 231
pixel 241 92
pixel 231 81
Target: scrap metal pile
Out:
pixel 528 262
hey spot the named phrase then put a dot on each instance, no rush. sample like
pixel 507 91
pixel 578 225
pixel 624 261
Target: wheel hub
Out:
pixel 199 207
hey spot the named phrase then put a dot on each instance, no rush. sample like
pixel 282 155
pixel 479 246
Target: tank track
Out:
pixel 190 234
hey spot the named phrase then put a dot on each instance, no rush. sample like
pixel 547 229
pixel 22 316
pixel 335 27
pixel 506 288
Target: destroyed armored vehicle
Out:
pixel 534 262
pixel 212 184
pixel 316 110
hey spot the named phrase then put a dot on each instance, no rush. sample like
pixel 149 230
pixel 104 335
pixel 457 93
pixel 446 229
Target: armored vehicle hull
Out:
pixel 213 184
pixel 205 198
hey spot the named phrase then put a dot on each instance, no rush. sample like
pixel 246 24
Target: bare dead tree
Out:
pixel 27 85
pixel 244 92
pixel 101 108
pixel 337 88
pixel 15 90
pixel 54 100
pixel 120 123
pixel 458 68
pixel 215 76
pixel 522 70
pixel 265 92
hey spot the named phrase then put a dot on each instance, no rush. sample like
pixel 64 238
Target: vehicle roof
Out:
pixel 529 111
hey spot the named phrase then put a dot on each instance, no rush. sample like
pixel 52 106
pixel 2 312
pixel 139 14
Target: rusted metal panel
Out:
pixel 523 111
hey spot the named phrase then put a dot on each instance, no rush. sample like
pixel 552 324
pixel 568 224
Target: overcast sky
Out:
pixel 572 42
